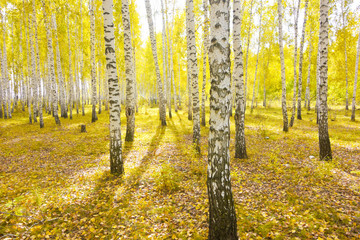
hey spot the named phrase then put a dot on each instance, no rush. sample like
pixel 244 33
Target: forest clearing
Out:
pixel 59 180
pixel 179 119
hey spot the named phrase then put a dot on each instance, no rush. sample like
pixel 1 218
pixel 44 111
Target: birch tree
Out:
pixel 92 62
pixel 324 141
pixel 307 93
pixel 130 75
pixel 355 79
pixel 238 78
pixel 162 108
pixel 51 66
pixel 301 61
pixel 296 18
pixel 116 161
pixel 205 53
pixel 283 79
pixel 247 50
pixel 192 59
pixel 222 216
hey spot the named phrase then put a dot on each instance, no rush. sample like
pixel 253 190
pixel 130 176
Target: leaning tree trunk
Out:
pixel 295 63
pixel 116 161
pixel 205 53
pixel 162 108
pixel 92 62
pixel 222 215
pixel 51 66
pixel 238 78
pixel 355 79
pixel 301 62
pixel 324 141
pixel 283 79
pixel 192 58
pixel 130 75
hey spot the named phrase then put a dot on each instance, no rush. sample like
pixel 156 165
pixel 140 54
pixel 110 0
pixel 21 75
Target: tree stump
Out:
pixel 83 128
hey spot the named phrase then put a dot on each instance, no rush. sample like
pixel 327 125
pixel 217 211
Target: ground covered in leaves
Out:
pixel 55 182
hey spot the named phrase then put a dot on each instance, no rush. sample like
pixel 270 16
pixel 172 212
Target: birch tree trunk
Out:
pixel 324 141
pixel 116 161
pixel 192 58
pixel 51 66
pixel 205 53
pixel 355 79
pixel 257 60
pixel 33 74
pixel 59 71
pixel 70 71
pixel 222 215
pixel 307 101
pixel 93 64
pixel 169 67
pixel 283 79
pixel 345 55
pixel 247 51
pixel 238 78
pixel 162 108
pixel 301 61
pixel 129 69
pixel 295 63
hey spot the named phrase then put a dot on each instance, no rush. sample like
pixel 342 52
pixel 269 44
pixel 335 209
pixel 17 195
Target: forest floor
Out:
pixel 55 182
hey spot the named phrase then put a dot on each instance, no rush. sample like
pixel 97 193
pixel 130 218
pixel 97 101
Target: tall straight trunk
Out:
pixel 295 62
pixel 192 58
pixel 205 53
pixel 283 78
pixel 247 50
pixel 130 75
pixel 33 74
pixel 257 60
pixel 169 68
pixel 82 79
pixel 92 62
pixel 6 79
pixel 190 112
pixel 301 61
pixel 355 80
pixel 165 58
pixel 179 99
pixel 99 78
pixel 70 71
pixel 317 84
pixel 265 75
pixel 345 55
pixel 116 161
pixel 307 97
pixel 222 215
pixel 238 78
pixel 162 108
pixel 51 66
pixel 324 141
pixel 59 71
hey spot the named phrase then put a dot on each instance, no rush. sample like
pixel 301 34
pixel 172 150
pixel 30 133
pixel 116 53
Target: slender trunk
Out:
pixel 130 75
pixel 247 51
pixel 162 108
pixel 295 63
pixel 307 102
pixel 222 215
pixel 345 53
pixel 257 61
pixel 51 66
pixel 92 62
pixel 283 79
pixel 70 71
pixel 324 141
pixel 355 79
pixel 205 53
pixel 99 78
pixel 266 70
pixel 238 78
pixel 301 62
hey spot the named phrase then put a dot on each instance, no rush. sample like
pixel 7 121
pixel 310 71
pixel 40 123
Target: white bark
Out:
pixel 355 79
